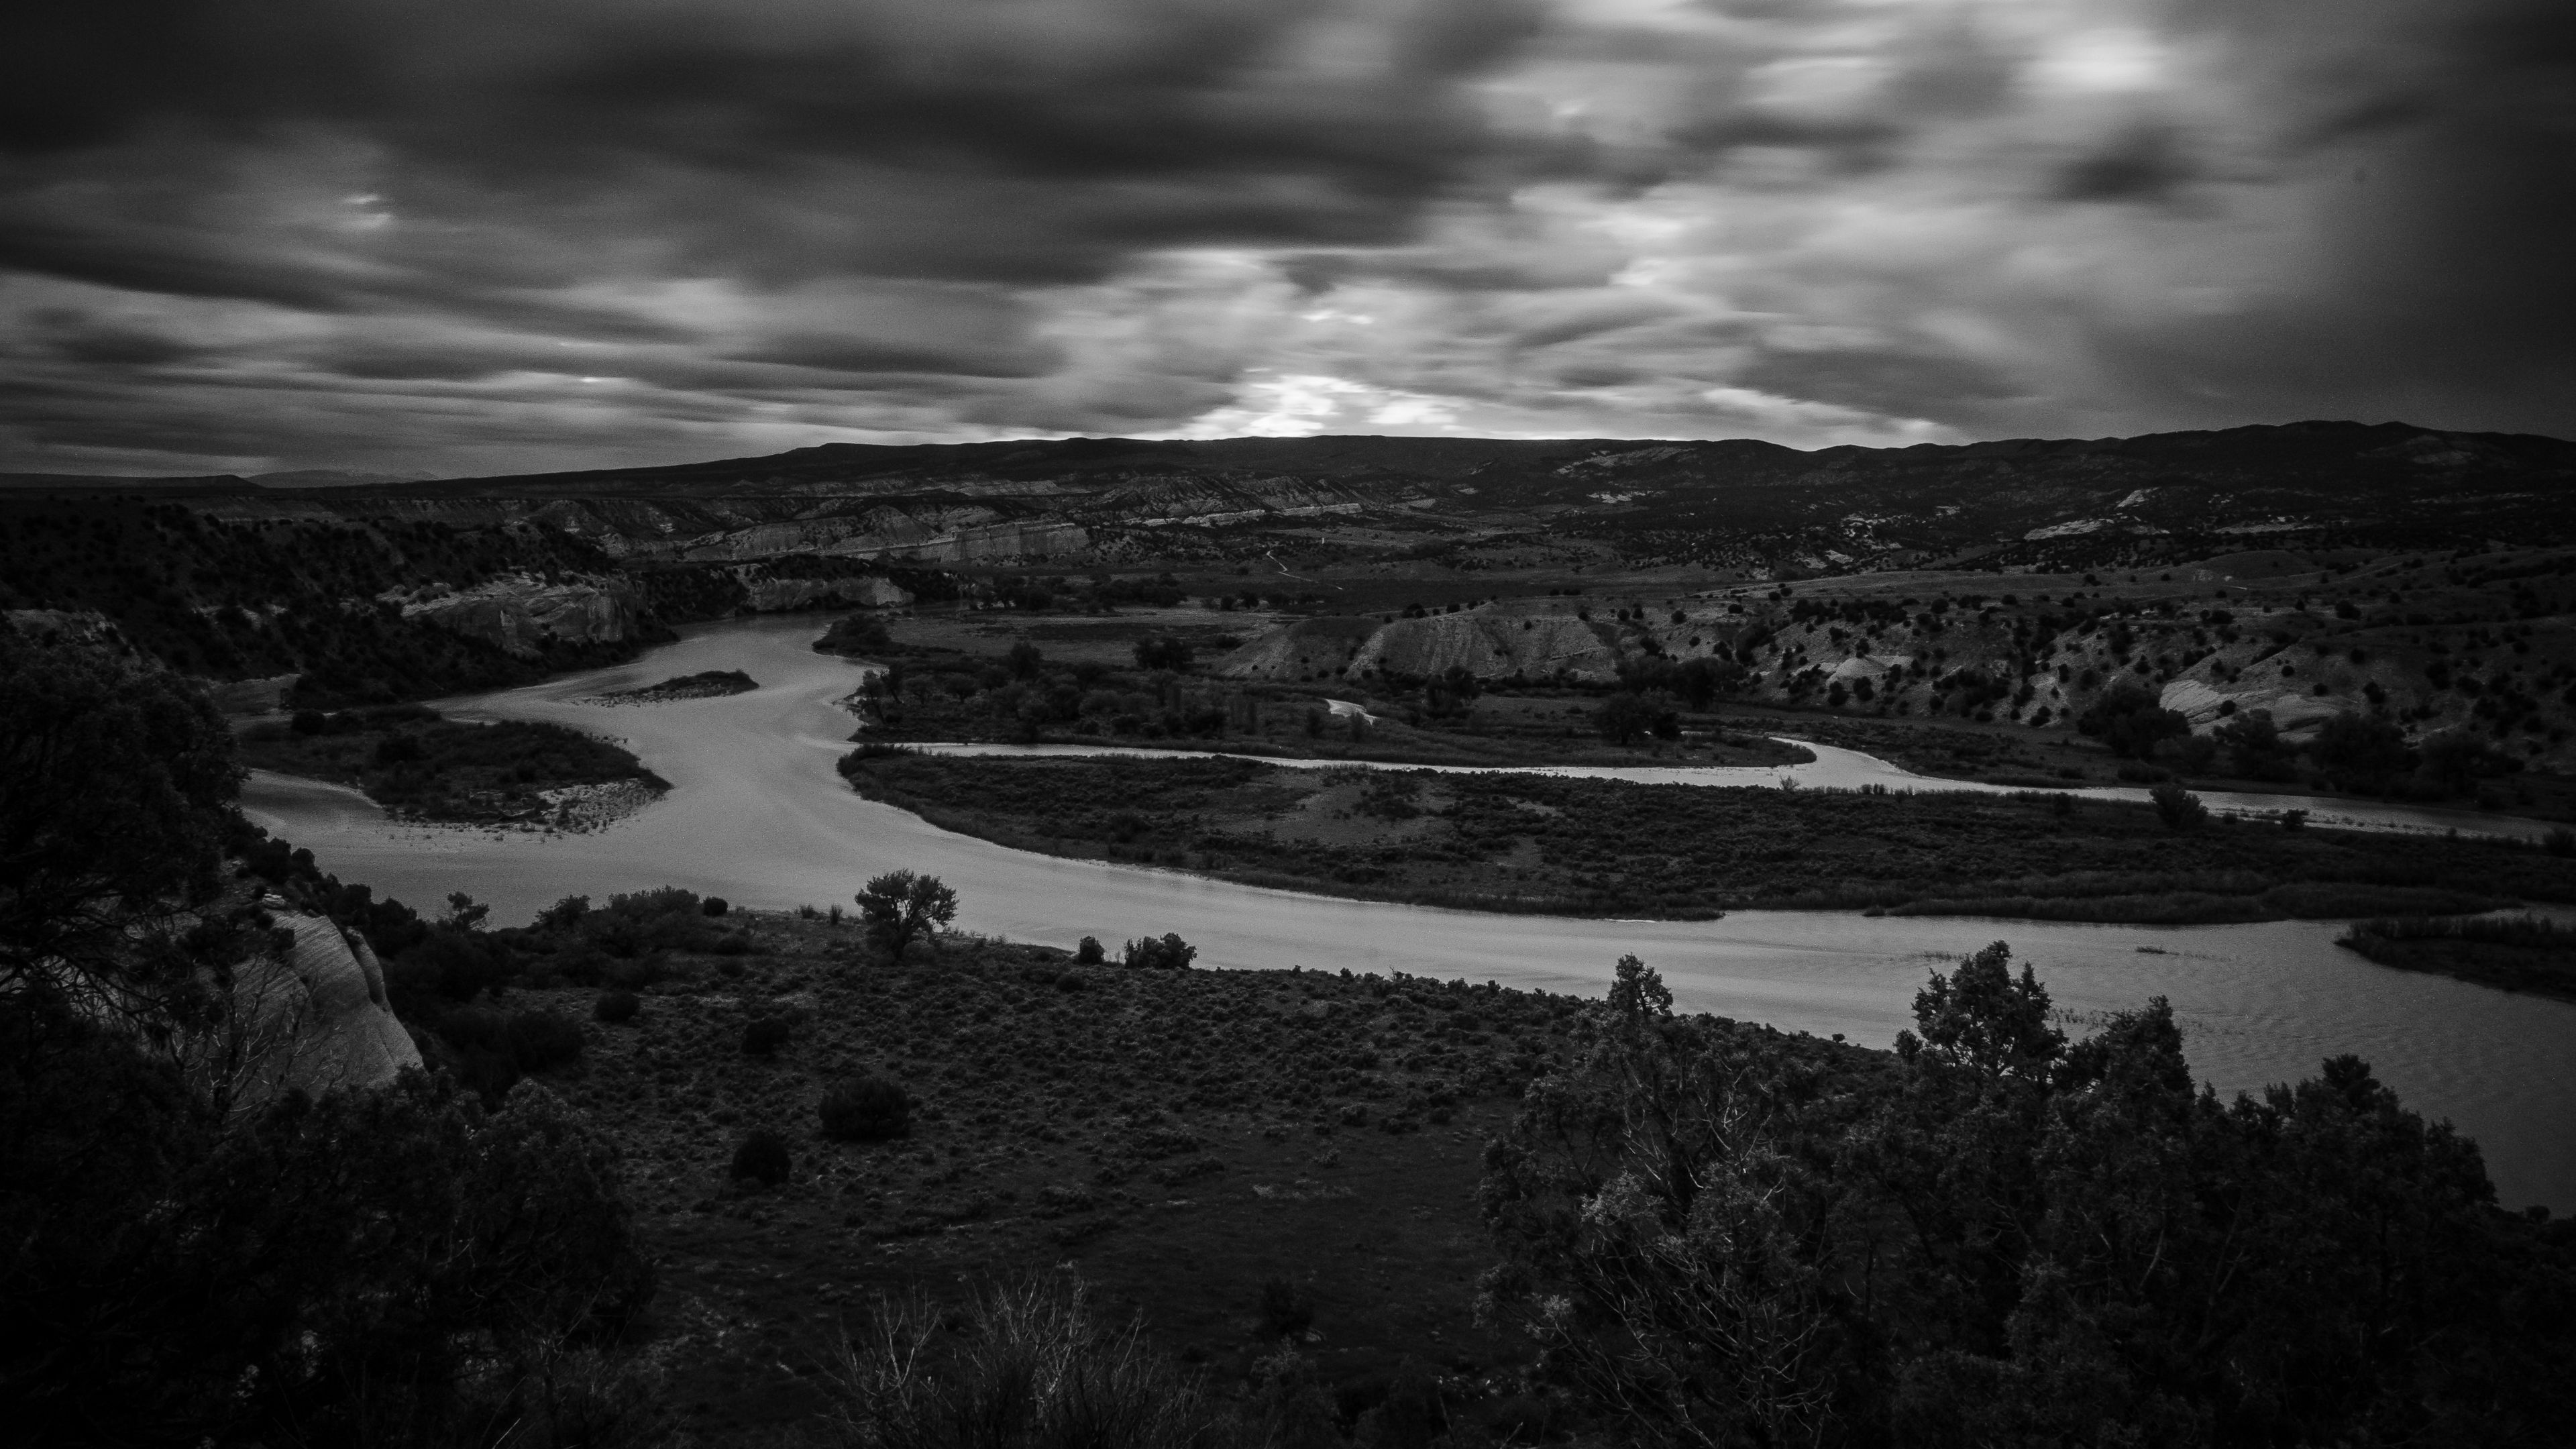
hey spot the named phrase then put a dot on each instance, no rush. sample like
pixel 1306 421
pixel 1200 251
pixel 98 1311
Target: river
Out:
pixel 756 814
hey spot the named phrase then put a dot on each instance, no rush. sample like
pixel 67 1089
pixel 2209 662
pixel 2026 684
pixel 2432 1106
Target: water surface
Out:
pixel 757 815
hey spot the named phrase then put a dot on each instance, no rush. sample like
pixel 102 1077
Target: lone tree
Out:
pixel 900 905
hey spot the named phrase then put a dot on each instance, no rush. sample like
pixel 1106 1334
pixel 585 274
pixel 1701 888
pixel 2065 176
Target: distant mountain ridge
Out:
pixel 1735 503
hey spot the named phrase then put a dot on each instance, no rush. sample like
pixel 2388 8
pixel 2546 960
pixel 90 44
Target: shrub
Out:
pixel 617 1007
pixel 1092 953
pixel 870 1109
pixel 1169 953
pixel 713 906
pixel 1285 1308
pixel 541 1039
pixel 1028 1356
pixel 762 1157
pixel 2559 841
pixel 764 1037
pixel 900 905
pixel 2178 808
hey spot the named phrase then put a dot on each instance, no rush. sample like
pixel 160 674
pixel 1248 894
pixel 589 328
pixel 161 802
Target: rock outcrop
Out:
pixel 520 614
pixel 312 1017
pixel 1492 644
pixel 772 596
pixel 249 696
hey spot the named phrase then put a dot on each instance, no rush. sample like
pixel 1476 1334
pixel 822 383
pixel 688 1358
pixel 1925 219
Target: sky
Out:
pixel 484 236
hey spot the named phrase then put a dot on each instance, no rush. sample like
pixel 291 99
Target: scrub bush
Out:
pixel 870 1109
pixel 762 1157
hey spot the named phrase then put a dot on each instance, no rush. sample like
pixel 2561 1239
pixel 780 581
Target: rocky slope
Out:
pixel 312 1018
pixel 2484 644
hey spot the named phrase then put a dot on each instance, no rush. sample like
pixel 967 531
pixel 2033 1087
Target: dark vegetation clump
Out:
pixel 870 1109
pixel 1286 1308
pixel 1168 953
pixel 413 762
pixel 2515 953
pixel 761 1157
pixel 617 1007
pixel 713 906
pixel 2307 1266
pixel 540 1040
pixel 763 1038
pixel 706 684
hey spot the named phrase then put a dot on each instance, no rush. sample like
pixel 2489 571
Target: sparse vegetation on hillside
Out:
pixel 252 600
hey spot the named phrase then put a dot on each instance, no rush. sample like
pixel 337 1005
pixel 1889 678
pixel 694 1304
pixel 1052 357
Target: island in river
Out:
pixel 421 765
pixel 1573 846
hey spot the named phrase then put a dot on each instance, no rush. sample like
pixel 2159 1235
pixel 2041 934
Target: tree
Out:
pixel 2255 749
pixel 2128 718
pixel 1024 660
pixel 2360 752
pixel 1625 718
pixel 900 905
pixel 1700 681
pixel 117 781
pixel 2454 760
pixel 2178 808
pixel 1164 651
pixel 1170 953
pixel 1719 1234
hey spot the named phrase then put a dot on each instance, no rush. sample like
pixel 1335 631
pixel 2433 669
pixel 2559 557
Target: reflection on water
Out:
pixel 756 814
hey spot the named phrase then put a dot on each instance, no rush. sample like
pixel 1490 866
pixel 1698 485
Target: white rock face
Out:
pixel 316 1017
pixel 769 596
pixel 520 614
pixel 2293 710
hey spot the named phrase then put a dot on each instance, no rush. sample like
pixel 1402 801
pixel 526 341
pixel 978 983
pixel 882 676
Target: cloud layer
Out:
pixel 560 233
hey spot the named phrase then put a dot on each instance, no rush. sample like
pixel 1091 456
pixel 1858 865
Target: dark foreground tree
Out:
pixel 384 1267
pixel 117 781
pixel 900 905
pixel 1724 1235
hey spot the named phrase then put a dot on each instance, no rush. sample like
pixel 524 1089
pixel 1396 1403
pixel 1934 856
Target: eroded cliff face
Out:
pixel 313 1017
pixel 521 613
pixel 1493 643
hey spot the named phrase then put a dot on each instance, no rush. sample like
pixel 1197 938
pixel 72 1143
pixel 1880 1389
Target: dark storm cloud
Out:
pixel 549 232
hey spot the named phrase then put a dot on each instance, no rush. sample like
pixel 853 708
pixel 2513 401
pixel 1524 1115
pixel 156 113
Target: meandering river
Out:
pixel 756 814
